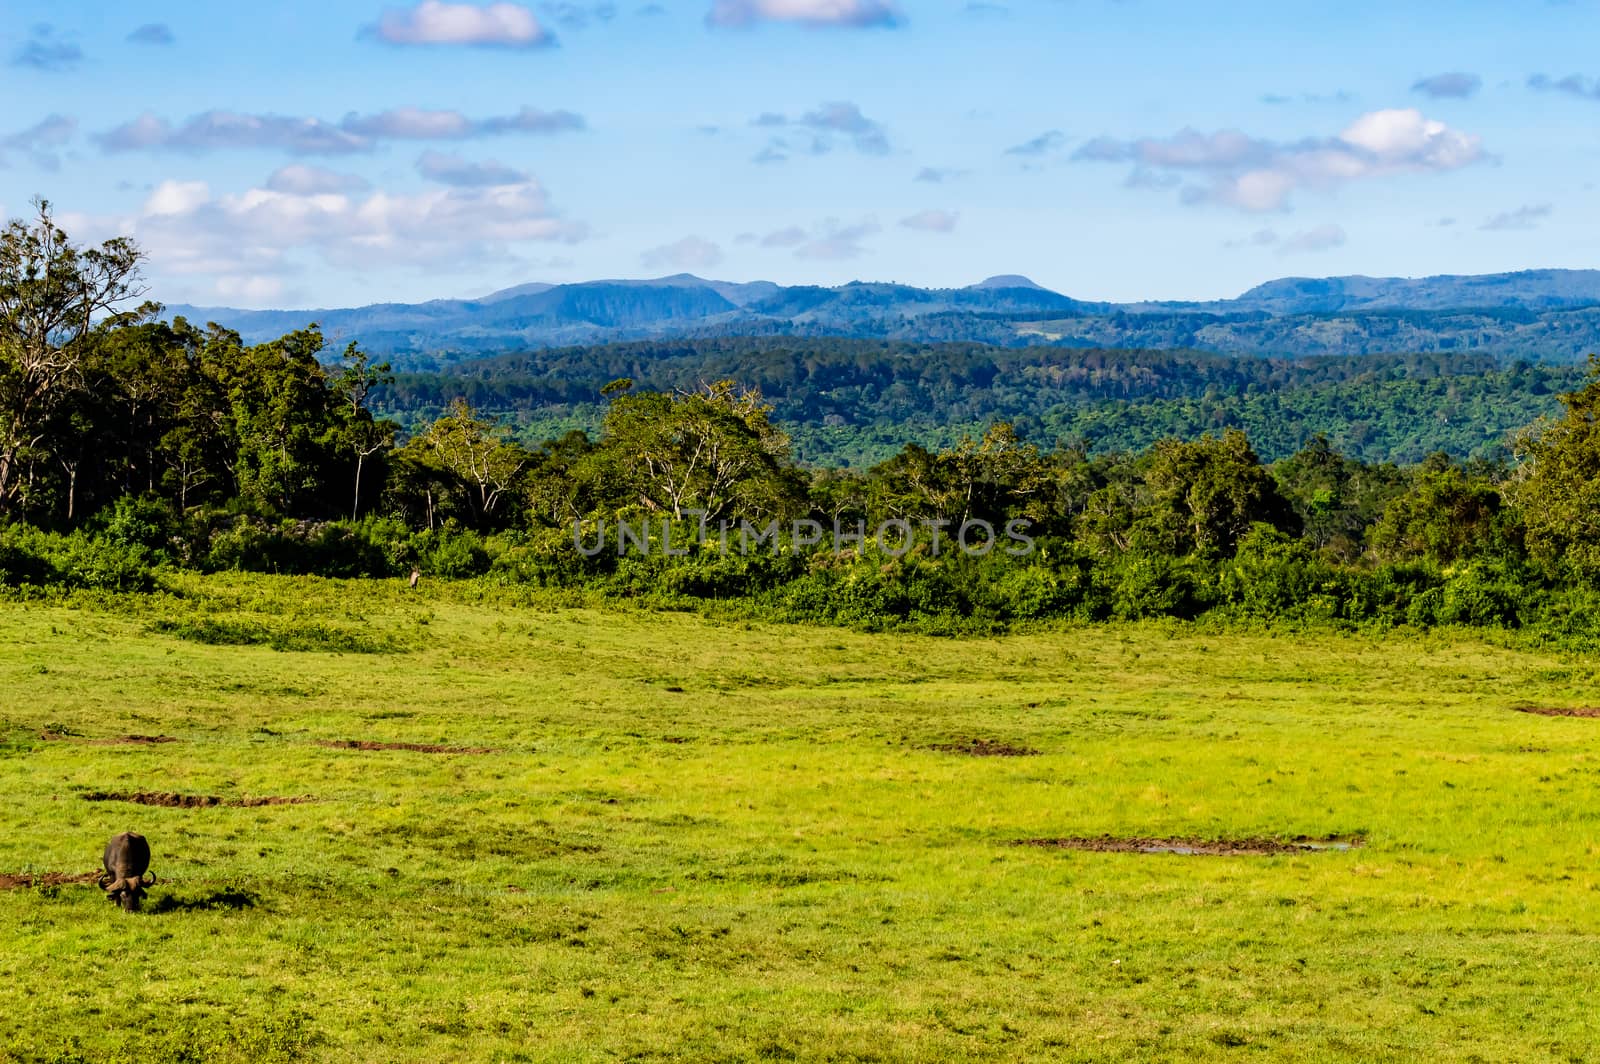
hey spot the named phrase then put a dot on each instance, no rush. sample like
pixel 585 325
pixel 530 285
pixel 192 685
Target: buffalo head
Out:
pixel 127 870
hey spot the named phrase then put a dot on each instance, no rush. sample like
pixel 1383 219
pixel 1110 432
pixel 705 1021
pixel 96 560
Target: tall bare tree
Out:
pixel 53 295
pixel 362 433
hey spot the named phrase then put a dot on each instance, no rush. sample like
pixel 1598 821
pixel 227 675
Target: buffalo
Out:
pixel 127 865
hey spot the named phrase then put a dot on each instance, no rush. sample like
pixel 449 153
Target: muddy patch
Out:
pixel 116 740
pixel 193 801
pixel 1247 847
pixel 1560 711
pixel 984 748
pixel 45 879
pixel 416 748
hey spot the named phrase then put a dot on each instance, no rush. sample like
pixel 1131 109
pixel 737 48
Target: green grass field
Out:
pixel 701 840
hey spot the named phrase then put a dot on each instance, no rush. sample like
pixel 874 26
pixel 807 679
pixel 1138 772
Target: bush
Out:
pixel 144 523
pixel 343 549
pixel 283 635
pixel 1483 594
pixel 247 544
pixel 76 560
pixel 1031 593
pixel 1276 576
pixel 1393 595
pixel 25 557
pixel 452 554
pixel 1153 585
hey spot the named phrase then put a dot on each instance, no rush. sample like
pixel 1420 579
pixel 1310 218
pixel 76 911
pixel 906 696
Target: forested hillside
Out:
pixel 1539 315
pixel 857 401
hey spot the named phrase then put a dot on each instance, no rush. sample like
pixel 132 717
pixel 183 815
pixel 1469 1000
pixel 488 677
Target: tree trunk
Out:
pixel 355 504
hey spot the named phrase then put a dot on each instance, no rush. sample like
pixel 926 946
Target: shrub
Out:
pixel 76 560
pixel 145 523
pixel 25 557
pixel 1483 594
pixel 1152 585
pixel 452 554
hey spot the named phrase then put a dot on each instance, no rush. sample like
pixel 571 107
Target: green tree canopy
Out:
pixel 1204 495
pixel 714 450
pixel 1558 485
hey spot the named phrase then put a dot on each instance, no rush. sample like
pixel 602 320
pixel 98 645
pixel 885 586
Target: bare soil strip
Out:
pixel 193 801
pixel 1560 711
pixel 45 879
pixel 1247 847
pixel 119 740
pixel 984 748
pixel 416 748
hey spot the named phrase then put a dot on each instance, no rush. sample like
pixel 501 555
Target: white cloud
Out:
pixel 1572 85
pixel 300 180
pixel 931 221
pixel 224 130
pixel 1405 139
pixel 1231 168
pixel 1261 238
pixel 219 130
pixel 828 239
pixel 835 242
pixel 176 197
pixel 1322 238
pixel 499 25
pixel 157 33
pixel 237 241
pixel 1454 85
pixel 578 16
pixel 409 123
pixel 1521 219
pixel 789 237
pixel 450 169
pixel 47 51
pixel 825 125
pixel 41 140
pixel 690 253
pixel 1043 144
pixel 856 13
pixel 846 118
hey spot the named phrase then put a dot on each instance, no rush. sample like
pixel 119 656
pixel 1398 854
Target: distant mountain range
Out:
pixel 1543 315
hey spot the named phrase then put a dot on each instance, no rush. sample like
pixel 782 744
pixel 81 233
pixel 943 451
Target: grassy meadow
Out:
pixel 702 839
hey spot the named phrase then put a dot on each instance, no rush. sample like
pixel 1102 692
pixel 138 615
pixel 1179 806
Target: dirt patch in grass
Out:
pixel 45 879
pixel 1246 847
pixel 1560 711
pixel 984 748
pixel 118 740
pixel 416 748
pixel 193 801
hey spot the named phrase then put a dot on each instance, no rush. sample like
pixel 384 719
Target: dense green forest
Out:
pixel 129 445
pixel 856 402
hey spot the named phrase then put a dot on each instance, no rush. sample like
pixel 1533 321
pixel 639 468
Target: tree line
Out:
pixel 854 402
pixel 128 443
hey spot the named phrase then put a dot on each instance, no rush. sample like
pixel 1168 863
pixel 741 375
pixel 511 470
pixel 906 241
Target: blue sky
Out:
pixel 334 152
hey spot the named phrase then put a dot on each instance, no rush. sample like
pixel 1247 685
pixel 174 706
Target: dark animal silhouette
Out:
pixel 127 865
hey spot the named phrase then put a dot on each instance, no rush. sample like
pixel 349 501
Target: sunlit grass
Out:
pixel 720 840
